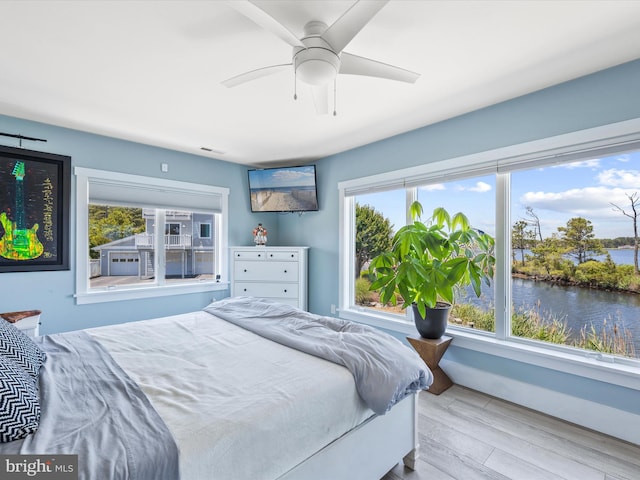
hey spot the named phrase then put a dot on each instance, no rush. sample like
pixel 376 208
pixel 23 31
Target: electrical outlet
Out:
pixel 164 167
pixel 333 309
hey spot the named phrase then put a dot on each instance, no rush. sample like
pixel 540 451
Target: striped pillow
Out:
pixel 20 405
pixel 18 347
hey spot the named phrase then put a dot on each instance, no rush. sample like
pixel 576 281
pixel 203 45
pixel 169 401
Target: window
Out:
pixel 121 254
pixel 574 282
pixel 528 196
pixel 474 197
pixel 172 228
pixel 378 216
pixel 205 230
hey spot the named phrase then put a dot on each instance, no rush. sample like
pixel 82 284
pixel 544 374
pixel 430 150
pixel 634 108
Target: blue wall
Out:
pixel 52 292
pixel 605 97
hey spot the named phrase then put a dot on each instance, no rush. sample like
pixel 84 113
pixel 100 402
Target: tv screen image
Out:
pixel 284 189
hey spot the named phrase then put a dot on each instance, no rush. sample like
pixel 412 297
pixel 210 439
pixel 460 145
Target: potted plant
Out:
pixel 428 261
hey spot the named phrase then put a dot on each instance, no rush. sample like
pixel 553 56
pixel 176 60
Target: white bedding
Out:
pixel 232 398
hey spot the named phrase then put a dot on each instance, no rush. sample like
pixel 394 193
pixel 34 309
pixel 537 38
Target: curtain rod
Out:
pixel 22 137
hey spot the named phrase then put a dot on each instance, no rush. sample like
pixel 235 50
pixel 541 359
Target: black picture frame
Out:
pixel 34 210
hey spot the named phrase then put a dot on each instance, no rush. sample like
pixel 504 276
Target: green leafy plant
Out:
pixel 427 261
pixel 363 293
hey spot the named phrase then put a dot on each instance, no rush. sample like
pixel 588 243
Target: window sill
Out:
pixel 601 367
pixel 394 323
pixel 123 293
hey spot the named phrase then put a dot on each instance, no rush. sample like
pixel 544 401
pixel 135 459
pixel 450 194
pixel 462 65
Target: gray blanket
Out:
pixel 385 370
pixel 91 408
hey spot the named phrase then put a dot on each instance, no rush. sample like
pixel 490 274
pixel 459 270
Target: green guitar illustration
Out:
pixel 19 242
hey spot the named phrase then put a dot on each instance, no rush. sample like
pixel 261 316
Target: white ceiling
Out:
pixel 150 71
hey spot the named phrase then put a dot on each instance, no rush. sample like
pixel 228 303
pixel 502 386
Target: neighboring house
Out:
pixel 188 239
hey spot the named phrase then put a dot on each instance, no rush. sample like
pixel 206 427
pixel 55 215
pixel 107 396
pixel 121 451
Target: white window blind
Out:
pixel 112 188
pixel 577 146
pixel 568 154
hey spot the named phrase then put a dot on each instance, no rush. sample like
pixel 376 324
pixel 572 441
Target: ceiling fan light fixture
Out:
pixel 318 57
pixel 316 65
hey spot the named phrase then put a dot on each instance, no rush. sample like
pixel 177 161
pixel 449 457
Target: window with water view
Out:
pixel 573 253
pixel 380 215
pixel 575 278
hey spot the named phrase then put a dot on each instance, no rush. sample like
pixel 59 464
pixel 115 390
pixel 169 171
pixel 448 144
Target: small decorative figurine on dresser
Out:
pixel 260 235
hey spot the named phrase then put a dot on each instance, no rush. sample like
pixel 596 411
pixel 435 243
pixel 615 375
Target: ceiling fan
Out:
pixel 318 56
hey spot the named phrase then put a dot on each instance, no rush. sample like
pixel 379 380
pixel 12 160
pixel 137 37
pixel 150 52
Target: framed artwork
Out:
pixel 34 210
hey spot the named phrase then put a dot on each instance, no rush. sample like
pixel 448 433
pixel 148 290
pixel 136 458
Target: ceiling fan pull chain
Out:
pixel 334 97
pixel 295 84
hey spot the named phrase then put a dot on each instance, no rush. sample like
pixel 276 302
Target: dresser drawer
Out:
pixel 283 256
pixel 267 290
pixel 266 271
pixel 250 255
pixel 259 254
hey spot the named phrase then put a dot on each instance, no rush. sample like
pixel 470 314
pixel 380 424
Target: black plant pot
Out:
pixel 434 323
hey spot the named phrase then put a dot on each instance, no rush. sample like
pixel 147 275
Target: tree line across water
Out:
pixel 570 255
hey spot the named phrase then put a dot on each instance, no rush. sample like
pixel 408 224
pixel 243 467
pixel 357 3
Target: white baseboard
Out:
pixel 602 418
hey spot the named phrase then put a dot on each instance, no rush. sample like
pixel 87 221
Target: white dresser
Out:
pixel 279 273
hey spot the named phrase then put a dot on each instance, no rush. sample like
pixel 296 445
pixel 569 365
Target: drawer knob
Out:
pixel 285 271
pixel 245 270
pixel 245 289
pixel 285 290
pixel 259 255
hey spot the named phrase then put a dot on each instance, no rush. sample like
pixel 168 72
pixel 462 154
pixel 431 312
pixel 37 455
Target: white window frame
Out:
pixel 86 295
pixel 554 150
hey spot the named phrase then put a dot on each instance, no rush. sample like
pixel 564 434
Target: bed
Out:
pixel 244 389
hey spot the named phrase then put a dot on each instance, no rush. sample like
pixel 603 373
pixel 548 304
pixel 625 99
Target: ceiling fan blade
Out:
pixel 355 65
pixel 320 94
pixel 266 21
pixel 253 74
pixel 351 22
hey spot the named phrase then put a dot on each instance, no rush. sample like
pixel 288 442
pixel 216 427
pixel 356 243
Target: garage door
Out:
pixel 203 262
pixel 123 263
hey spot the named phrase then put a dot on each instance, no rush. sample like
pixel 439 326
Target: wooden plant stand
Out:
pixel 431 351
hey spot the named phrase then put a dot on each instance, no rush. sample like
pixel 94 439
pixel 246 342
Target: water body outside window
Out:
pixel 574 279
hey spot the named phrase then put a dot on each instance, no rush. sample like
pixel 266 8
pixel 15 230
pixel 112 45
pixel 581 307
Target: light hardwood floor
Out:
pixel 466 435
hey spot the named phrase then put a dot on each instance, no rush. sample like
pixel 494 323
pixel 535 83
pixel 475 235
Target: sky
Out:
pixel 556 194
pixel 283 177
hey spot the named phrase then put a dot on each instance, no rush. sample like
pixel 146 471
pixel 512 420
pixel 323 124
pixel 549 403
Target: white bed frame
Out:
pixel 368 451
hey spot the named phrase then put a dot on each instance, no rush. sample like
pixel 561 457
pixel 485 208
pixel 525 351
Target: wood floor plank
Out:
pixel 425 471
pixel 456 463
pixel 467 435
pixel 530 444
pixel 604 444
pixel 514 467
pixel 461 417
pixel 440 431
pixel 591 448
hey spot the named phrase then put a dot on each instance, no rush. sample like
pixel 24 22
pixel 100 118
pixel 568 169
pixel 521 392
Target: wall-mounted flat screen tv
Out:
pixel 284 189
